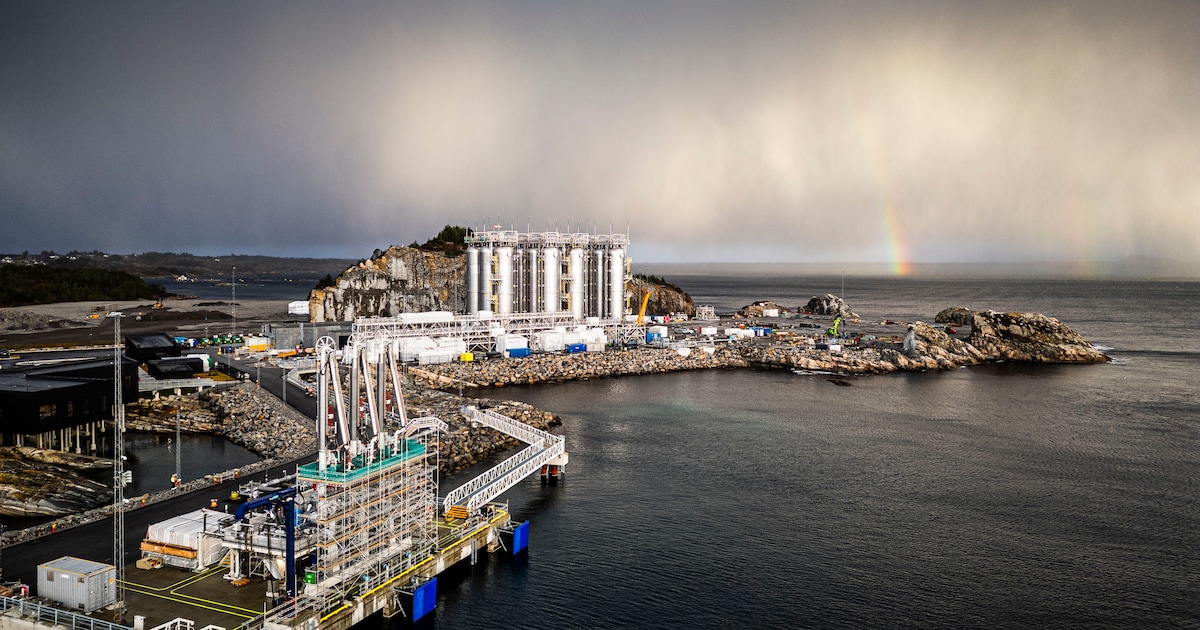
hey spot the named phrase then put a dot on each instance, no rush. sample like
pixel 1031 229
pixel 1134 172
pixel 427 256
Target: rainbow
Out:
pixel 895 244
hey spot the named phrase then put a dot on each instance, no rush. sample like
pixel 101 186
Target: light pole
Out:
pixel 118 470
pixel 178 452
pixel 233 302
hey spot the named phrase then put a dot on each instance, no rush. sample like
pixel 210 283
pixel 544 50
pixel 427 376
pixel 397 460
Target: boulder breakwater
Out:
pixel 1027 337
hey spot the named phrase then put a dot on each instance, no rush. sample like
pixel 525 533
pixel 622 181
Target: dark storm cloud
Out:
pixel 713 131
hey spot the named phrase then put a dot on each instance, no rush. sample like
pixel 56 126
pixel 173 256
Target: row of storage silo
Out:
pixel 547 272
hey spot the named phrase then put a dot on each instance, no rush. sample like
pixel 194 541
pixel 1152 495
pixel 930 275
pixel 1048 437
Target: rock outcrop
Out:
pixel 32 488
pixel 1031 337
pixel 756 309
pixel 828 304
pixel 664 299
pixel 400 280
pixel 957 315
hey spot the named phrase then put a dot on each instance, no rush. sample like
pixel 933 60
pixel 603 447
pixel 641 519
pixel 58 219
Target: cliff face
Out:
pixel 664 300
pixel 400 280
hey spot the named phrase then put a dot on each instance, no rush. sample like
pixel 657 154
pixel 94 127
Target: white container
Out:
pixel 549 341
pixel 595 347
pixel 197 531
pixel 708 331
pixel 298 307
pixel 77 583
pixel 770 312
pixel 660 330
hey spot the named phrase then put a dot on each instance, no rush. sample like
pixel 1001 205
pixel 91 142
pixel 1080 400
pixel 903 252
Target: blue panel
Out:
pixel 425 599
pixel 521 538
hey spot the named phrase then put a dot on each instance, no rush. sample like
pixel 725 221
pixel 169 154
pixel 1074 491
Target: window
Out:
pixel 50 576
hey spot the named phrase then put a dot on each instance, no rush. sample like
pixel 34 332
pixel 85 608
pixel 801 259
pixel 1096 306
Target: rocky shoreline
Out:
pixel 1027 337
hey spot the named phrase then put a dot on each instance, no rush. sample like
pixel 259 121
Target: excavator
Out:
pixel 833 331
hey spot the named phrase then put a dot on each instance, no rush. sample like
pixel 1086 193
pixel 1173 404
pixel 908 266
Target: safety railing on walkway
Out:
pixel 40 613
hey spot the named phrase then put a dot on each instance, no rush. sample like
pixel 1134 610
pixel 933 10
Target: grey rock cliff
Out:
pixel 664 300
pixel 400 280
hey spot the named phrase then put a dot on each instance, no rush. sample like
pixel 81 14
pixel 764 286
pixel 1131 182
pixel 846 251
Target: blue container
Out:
pixel 652 337
pixel 576 347
pixel 517 353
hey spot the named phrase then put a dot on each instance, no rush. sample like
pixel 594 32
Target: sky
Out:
pixel 850 131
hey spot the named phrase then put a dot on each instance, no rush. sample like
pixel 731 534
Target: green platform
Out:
pixel 409 449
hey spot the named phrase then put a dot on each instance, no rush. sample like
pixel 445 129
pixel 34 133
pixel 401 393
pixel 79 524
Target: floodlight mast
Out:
pixel 118 470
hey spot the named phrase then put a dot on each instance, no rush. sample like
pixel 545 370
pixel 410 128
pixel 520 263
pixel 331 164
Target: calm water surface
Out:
pixel 998 496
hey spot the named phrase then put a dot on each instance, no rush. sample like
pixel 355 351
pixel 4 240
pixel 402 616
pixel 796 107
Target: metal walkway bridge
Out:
pixel 544 449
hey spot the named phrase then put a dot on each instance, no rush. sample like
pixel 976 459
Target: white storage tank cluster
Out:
pixel 547 272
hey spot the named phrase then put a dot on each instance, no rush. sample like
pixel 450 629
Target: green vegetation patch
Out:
pixel 25 285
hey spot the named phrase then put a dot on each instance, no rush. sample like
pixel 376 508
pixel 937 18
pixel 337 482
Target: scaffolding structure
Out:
pixel 374 482
pixel 547 272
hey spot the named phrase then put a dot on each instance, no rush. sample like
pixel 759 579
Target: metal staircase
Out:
pixel 544 449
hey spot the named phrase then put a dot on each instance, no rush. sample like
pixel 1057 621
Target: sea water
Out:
pixel 1002 495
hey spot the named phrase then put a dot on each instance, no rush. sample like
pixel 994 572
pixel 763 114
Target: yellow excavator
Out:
pixel 641 320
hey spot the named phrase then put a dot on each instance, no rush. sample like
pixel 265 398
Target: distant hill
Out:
pixel 37 284
pixel 167 264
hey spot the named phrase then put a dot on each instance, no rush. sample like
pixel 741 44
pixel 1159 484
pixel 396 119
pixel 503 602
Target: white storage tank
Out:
pixel 616 283
pixel 532 285
pixel 598 285
pixel 485 278
pixel 472 279
pixel 504 271
pixel 577 272
pixel 78 583
pixel 550 281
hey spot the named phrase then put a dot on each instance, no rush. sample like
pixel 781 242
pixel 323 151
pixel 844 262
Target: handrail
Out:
pixel 543 447
pixel 56 616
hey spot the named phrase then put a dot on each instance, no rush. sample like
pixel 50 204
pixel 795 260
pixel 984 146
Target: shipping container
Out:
pixel 516 353
pixel 78 583
pixel 576 347
pixel 466 357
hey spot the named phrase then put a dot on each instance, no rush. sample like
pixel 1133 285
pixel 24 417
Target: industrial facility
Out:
pixel 547 272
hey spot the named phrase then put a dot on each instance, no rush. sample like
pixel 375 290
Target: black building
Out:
pixel 52 404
